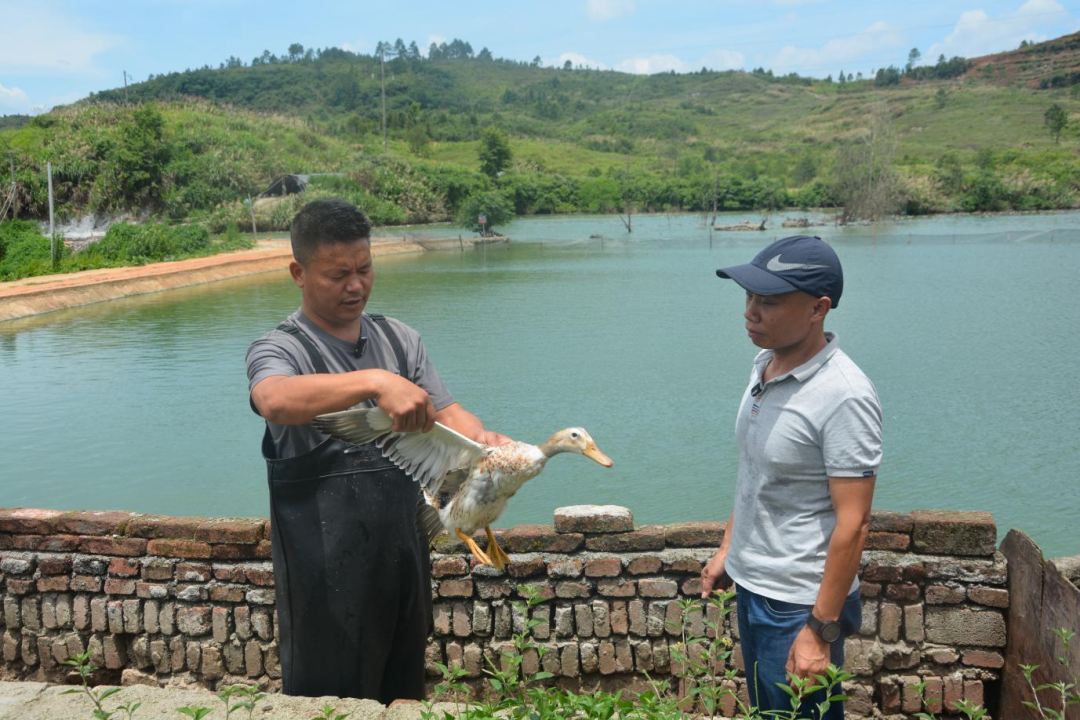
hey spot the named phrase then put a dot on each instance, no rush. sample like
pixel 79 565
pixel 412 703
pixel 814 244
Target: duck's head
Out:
pixel 575 440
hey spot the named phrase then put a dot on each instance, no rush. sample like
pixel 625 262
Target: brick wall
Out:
pixel 190 600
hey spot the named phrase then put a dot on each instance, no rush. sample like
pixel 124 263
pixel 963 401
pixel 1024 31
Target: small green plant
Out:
pixel 1067 693
pixel 328 712
pixel 82 664
pixel 247 696
pixel 196 712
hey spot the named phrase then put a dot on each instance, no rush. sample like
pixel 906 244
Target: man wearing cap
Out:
pixel 809 438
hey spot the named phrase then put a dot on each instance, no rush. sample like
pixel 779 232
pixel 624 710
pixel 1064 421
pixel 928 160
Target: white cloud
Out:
pixel 652 64
pixel 14 100
pixel 436 39
pixel 357 47
pixel 601 10
pixel 844 50
pixel 976 33
pixel 575 60
pixel 39 39
pixel 722 60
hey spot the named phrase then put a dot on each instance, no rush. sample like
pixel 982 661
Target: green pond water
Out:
pixel 967 325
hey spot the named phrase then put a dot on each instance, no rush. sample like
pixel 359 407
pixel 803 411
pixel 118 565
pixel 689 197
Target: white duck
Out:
pixel 465 484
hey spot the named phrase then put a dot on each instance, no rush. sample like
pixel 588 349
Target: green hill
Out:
pixel 581 139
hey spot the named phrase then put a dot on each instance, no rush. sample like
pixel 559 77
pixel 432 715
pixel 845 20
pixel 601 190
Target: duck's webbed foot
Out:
pixel 474 548
pixel 498 555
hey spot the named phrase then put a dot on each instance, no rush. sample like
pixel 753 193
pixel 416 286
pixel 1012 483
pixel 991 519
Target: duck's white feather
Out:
pixel 427 457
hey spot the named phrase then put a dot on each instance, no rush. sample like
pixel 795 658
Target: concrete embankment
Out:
pixel 37 295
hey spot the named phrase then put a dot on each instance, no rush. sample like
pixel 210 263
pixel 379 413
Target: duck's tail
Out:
pixel 427 518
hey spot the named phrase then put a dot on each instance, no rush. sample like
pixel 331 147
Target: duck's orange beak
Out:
pixel 593 453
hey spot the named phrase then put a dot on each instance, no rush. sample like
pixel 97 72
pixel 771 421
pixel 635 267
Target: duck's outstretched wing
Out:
pixel 428 457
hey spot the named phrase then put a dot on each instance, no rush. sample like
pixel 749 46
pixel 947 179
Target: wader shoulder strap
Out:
pixel 312 351
pixel 395 343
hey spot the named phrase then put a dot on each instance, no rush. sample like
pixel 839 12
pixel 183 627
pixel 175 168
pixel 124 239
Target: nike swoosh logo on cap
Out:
pixel 776 266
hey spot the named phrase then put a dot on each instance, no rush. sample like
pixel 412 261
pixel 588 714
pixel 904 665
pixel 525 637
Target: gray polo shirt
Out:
pixel 279 353
pixel 818 421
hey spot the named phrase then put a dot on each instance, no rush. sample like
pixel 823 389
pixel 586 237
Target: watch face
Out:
pixel 830 632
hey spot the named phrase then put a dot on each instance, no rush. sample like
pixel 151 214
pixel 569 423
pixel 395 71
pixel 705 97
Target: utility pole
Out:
pixel 52 231
pixel 125 89
pixel 382 70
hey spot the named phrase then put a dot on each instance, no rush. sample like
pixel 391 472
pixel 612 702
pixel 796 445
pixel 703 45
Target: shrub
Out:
pixel 24 251
pixel 155 241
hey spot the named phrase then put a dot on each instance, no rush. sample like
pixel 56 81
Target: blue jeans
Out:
pixel 767 629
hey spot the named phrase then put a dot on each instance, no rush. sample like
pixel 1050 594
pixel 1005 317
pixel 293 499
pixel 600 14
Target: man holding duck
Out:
pixel 351 567
pixel 809 438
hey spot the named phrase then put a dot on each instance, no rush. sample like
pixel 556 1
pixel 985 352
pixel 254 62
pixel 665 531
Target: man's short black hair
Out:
pixel 326 221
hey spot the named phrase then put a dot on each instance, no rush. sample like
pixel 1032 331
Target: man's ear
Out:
pixel 297 272
pixel 821 308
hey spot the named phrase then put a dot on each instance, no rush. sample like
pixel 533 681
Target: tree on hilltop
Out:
pixel 1055 120
pixel 495 152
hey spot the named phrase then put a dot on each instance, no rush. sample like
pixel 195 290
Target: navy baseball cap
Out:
pixel 800 262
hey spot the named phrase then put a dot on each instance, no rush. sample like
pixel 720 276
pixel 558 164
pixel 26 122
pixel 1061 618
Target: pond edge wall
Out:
pixel 190 601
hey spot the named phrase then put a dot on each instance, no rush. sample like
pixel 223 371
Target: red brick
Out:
pixel 983 659
pixel 157 569
pixel 694 534
pixel 247 531
pixel 260 577
pixel 942 532
pixel 953 691
pixel 456 588
pixel 869 589
pixel 933 693
pixel 692 587
pixel 527 568
pixel 53 583
pixel 86 583
pixel 451 566
pixel 616 587
pixel 647 565
pixel 178 548
pixel 904 592
pixel 54 565
pixel 543 590
pixel 603 567
pixel 565 569
pixel 227 593
pixel 123 567
pixel 887 541
pixel 156 591
pixel 29 521
pixel 117 586
pixel 129 547
pixel 973 692
pixel 568 590
pixel 192 572
pixel 944 595
pixel 892 522
pixel 18 586
pixel 163 527
pixel 46 543
pixel 93 522
pixel 234 551
pixel 686 565
pixel 229 573
pixel 883 573
pixel 593 519
pixel 914 573
pixel 993 597
pixel 538 538
pixel 648 537
pixel 657 588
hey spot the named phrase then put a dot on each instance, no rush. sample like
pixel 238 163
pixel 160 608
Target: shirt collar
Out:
pixel 805 371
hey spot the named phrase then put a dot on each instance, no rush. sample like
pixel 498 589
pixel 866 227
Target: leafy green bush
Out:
pixel 24 251
pixel 124 242
pixel 498 208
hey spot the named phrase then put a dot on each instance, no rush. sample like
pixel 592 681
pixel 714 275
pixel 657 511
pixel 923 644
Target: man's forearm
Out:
pixel 299 399
pixel 459 419
pixel 841 566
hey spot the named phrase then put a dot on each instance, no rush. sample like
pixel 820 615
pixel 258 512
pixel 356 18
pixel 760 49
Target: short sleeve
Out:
pixel 266 358
pixel 427 377
pixel 851 438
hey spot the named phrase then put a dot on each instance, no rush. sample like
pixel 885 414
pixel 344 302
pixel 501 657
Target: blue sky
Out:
pixel 57 52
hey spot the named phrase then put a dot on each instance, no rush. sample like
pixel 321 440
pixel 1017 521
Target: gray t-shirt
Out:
pixel 821 420
pixel 280 353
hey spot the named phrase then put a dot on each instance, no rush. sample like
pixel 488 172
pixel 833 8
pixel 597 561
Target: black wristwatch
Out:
pixel 827 630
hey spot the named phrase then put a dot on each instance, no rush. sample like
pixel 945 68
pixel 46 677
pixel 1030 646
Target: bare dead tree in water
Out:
pixel 627 221
pixel 864 173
